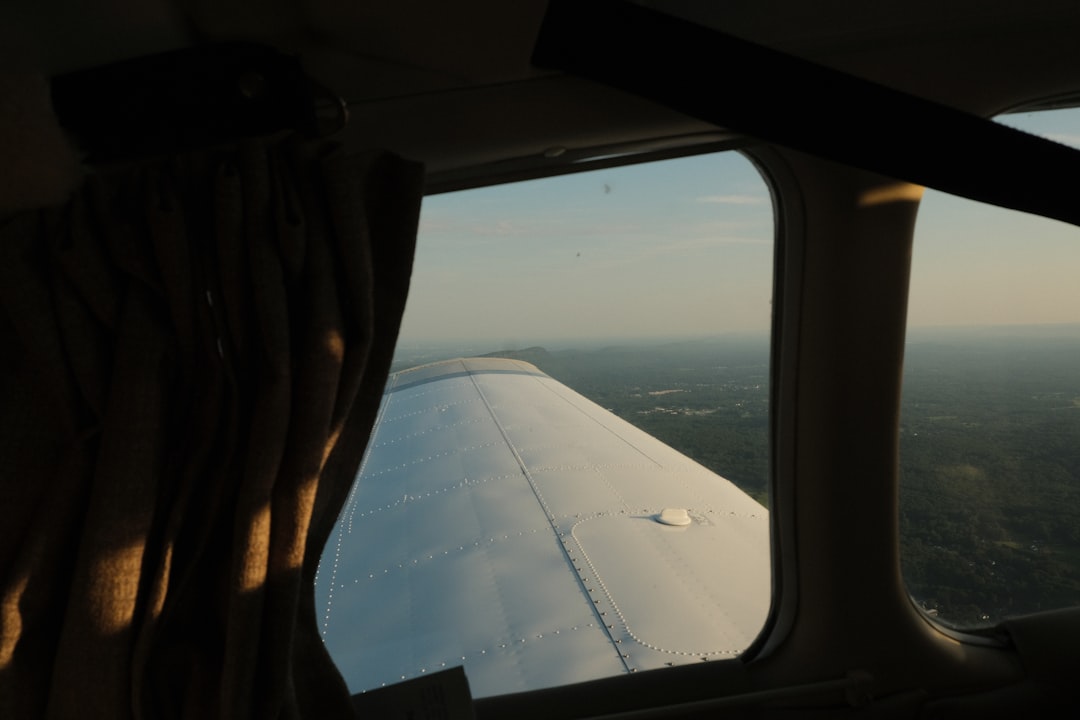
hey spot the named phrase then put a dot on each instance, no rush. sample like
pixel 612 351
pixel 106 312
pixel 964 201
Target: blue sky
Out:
pixel 684 248
pixel 675 248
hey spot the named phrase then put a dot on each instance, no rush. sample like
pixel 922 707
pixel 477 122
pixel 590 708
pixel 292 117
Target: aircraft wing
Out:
pixel 503 522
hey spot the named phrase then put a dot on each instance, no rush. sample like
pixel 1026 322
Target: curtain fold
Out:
pixel 192 359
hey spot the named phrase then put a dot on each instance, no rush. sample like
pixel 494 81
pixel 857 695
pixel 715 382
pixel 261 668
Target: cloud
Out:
pixel 689 247
pixel 705 243
pixel 731 200
pixel 456 225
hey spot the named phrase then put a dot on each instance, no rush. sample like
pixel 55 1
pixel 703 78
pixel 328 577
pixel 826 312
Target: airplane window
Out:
pixel 572 484
pixel 990 431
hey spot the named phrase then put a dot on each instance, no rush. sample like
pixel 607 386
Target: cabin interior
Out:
pixel 215 615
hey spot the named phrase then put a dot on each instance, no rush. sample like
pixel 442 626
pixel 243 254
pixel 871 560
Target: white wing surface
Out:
pixel 503 522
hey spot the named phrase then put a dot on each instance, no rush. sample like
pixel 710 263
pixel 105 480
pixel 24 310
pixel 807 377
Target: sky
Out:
pixel 975 264
pixel 684 248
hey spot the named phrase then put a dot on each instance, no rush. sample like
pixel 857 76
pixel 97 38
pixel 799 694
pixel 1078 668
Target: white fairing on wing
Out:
pixel 503 522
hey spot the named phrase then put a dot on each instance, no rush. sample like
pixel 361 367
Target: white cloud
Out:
pixel 705 243
pixel 731 199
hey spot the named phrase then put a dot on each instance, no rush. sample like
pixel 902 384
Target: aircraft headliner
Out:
pixel 451 85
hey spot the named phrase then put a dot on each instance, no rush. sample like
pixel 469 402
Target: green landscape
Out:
pixel 990 472
pixel 990 448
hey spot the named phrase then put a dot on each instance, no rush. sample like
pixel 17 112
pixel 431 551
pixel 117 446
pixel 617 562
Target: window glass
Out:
pixel 646 289
pixel 990 431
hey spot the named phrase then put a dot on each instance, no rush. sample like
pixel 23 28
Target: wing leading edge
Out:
pixel 503 522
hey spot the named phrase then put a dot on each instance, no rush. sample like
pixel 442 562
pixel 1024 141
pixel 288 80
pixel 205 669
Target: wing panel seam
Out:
pixel 560 536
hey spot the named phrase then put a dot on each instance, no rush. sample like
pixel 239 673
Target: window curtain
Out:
pixel 192 355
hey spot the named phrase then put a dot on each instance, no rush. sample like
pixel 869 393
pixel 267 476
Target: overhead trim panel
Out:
pixel 686 67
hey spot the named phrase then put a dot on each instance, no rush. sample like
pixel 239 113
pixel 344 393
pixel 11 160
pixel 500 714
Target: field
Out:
pixel 990 448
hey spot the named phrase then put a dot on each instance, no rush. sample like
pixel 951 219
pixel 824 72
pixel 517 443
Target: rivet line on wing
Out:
pixel 493 651
pixel 704 654
pixel 344 528
pixel 552 520
pixel 421 433
pixel 412 393
pixel 588 466
pixel 599 470
pixel 462 484
pixel 426 410
pixel 429 458
pixel 551 385
pixel 430 557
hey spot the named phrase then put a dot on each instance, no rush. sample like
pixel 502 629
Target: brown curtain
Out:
pixel 191 359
